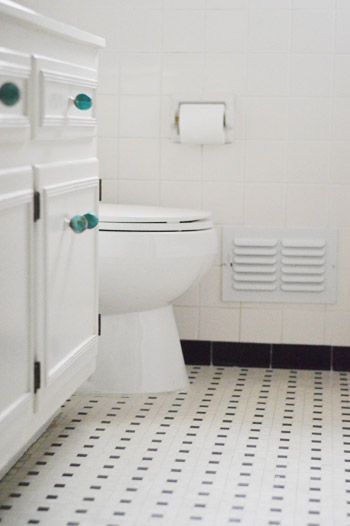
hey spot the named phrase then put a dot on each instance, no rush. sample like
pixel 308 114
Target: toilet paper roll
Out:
pixel 202 123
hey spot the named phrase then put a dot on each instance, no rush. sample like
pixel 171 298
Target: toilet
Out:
pixel 148 257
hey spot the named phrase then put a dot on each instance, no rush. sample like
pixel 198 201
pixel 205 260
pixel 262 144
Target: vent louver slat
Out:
pixel 254 267
pixel 310 277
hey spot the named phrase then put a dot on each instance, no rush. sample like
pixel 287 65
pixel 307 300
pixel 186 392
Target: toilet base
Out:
pixel 139 352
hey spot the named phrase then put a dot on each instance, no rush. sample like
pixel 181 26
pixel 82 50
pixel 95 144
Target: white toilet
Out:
pixel 148 257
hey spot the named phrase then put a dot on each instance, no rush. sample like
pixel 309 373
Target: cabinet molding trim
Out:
pixel 68 187
pixel 15 199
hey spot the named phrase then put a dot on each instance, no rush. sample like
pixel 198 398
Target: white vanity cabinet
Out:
pixel 48 262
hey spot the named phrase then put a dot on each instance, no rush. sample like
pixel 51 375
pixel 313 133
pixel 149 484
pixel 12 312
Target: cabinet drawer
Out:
pixel 15 71
pixel 65 100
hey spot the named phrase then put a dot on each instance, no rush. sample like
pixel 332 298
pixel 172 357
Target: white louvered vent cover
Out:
pixel 279 265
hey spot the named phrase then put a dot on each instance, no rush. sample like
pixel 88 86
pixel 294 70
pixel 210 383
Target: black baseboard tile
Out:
pixel 341 358
pixel 289 356
pixel 196 352
pixel 241 354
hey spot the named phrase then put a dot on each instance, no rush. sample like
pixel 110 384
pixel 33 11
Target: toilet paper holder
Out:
pixel 176 102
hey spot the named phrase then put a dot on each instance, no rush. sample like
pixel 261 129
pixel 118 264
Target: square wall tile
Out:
pixel 225 201
pixel 107 152
pixel 307 206
pixel 107 114
pixel 313 4
pixel 187 322
pixel 267 74
pixel 342 35
pixel 139 192
pixel 312 30
pixel 140 30
pixel 265 161
pixel 108 72
pixel 227 4
pixel 181 194
pixel 183 73
pixel 139 158
pixel 264 204
pixel 196 352
pixel 261 325
pixel 340 120
pixel 339 209
pixel 301 357
pixel 226 30
pixel 140 74
pixel 219 324
pixel 269 30
pixel 109 191
pixel 308 162
pixel 139 116
pixel 225 73
pixel 342 75
pixel 182 162
pixel 224 162
pixel 337 328
pixel 303 326
pixel 184 31
pixel 340 162
pixel 309 118
pixel 266 118
pixel 241 354
pixel 311 75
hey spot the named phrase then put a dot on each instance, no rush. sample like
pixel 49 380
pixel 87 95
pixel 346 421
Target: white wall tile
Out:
pixel 278 4
pixel 138 192
pixel 190 298
pixel 265 161
pixel 225 201
pixel 337 330
pixel 340 120
pixel 180 162
pixel 183 73
pixel 342 34
pixel 342 75
pixel 302 326
pixel 310 75
pixel 110 191
pixel 139 116
pixel 187 322
pixel 225 73
pixel 269 30
pixel 264 204
pixel 224 162
pixel 226 30
pixel 312 30
pixel 268 74
pixel 307 206
pixel 219 324
pixel 340 162
pixel 140 30
pixel 266 118
pixel 210 290
pixel 227 4
pixel 107 112
pixel 184 194
pixel 308 162
pixel 139 158
pixel 108 72
pixel 140 74
pixel 184 4
pixel 107 151
pixel 309 118
pixel 261 325
pixel 339 209
pixel 184 31
pixel 313 4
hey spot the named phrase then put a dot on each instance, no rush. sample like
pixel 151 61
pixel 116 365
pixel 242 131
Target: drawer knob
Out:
pixel 92 219
pixel 78 224
pixel 83 101
pixel 9 94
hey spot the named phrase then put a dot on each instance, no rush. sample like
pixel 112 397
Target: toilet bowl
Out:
pixel 148 257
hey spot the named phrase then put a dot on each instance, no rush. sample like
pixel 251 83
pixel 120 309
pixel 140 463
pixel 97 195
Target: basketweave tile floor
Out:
pixel 242 446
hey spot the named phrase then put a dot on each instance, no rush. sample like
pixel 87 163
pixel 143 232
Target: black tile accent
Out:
pixel 341 358
pixel 315 357
pixel 196 352
pixel 241 354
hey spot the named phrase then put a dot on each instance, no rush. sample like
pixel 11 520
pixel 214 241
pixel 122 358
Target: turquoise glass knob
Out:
pixel 9 94
pixel 92 219
pixel 78 224
pixel 83 102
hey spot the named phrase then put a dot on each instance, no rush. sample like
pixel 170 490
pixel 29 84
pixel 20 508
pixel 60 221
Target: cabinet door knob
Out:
pixel 82 101
pixel 9 94
pixel 92 219
pixel 78 224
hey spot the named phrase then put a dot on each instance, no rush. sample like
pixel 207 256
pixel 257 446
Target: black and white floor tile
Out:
pixel 251 447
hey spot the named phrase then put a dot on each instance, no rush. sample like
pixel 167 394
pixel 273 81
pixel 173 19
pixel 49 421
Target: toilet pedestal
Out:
pixel 139 352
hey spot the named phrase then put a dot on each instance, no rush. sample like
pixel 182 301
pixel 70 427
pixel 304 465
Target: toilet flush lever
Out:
pixel 80 223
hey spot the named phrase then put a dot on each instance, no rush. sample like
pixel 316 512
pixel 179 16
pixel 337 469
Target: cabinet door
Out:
pixel 16 347
pixel 66 278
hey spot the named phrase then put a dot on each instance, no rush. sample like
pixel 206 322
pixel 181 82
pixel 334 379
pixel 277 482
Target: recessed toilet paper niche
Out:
pixel 199 122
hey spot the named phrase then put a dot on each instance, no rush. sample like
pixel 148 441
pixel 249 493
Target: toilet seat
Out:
pixel 134 218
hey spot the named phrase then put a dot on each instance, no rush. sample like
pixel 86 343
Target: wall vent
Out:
pixel 279 265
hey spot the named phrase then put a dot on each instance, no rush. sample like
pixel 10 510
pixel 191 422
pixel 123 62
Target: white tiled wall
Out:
pixel 287 62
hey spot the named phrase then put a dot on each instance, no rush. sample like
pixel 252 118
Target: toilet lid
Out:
pixel 151 218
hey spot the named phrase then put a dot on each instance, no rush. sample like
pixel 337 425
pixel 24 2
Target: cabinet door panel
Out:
pixel 16 347
pixel 67 273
